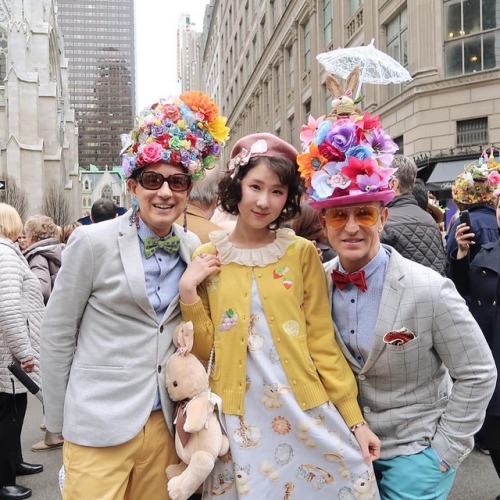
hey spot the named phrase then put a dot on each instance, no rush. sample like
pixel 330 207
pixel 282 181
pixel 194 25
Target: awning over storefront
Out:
pixel 444 174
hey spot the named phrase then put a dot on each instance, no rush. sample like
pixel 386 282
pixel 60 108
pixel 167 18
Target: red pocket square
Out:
pixel 399 337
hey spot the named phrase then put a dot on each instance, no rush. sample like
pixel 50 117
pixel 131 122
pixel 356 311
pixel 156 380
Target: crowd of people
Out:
pixel 328 303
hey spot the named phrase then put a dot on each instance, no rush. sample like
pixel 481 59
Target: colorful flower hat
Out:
pixel 186 131
pixel 346 160
pixel 479 183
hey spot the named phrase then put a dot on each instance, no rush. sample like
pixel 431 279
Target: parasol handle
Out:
pixel 358 90
pixel 26 380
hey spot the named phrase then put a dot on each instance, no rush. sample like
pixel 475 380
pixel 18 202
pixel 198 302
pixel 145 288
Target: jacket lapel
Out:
pixel 389 307
pixel 128 244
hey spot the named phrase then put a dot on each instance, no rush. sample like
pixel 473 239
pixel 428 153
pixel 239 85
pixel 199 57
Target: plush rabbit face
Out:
pixel 343 103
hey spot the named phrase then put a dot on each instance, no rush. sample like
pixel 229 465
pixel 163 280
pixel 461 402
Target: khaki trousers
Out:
pixel 134 470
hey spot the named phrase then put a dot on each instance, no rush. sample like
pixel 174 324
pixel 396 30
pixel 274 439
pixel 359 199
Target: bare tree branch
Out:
pixel 15 196
pixel 56 205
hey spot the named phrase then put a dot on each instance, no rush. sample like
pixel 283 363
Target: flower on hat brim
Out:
pixel 358 155
pixel 310 162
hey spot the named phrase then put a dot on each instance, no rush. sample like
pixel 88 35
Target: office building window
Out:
pixel 472 132
pixel 397 45
pixel 273 13
pixel 306 33
pixel 327 22
pixel 289 52
pixel 277 84
pixel 328 98
pixel 400 143
pixel 472 36
pixel 291 127
pixel 354 5
pixel 307 108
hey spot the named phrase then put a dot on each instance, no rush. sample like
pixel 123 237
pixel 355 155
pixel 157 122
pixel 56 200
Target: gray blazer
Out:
pixel 101 391
pixel 405 391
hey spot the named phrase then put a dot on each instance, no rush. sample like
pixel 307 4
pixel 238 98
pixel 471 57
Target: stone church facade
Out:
pixel 38 132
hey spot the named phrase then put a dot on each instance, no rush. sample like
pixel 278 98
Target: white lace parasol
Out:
pixel 375 66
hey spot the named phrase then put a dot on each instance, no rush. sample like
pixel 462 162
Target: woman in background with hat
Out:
pixel 479 279
pixel 257 294
pixel 472 192
pixel 118 288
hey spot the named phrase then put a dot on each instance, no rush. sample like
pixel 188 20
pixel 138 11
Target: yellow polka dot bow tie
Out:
pixel 170 245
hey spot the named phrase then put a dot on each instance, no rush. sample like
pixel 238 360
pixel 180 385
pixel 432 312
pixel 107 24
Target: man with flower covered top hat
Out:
pixel 109 324
pixel 423 368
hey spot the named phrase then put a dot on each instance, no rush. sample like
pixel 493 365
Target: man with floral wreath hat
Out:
pixel 111 317
pixel 423 368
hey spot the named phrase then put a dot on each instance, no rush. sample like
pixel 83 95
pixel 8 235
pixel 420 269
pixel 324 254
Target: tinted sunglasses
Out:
pixel 364 216
pixel 154 180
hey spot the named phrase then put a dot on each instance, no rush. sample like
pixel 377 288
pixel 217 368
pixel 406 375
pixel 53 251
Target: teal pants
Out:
pixel 413 477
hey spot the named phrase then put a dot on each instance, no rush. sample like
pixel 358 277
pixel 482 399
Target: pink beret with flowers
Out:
pixel 186 131
pixel 346 161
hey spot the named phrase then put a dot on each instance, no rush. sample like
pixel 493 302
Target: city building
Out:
pixel 259 62
pixel 99 42
pixel 97 183
pixel 188 54
pixel 38 146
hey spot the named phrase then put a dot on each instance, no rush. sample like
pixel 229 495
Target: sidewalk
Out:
pixel 476 478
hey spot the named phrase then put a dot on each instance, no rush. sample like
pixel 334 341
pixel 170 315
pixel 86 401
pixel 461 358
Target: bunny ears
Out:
pixel 183 338
pixel 343 103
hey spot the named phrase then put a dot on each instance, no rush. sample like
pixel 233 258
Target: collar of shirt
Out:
pixel 355 313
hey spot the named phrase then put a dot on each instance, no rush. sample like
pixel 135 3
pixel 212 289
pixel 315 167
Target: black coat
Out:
pixel 414 233
pixel 480 279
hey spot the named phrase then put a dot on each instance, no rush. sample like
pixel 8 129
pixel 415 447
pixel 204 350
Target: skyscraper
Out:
pixel 99 44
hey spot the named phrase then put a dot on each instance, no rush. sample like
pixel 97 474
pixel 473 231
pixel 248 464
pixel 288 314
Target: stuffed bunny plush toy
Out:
pixel 199 439
pixel 343 103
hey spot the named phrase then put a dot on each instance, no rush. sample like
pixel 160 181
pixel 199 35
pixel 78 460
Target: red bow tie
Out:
pixel 342 279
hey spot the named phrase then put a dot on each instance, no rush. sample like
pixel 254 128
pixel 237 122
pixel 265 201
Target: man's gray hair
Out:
pixel 406 173
pixel 205 190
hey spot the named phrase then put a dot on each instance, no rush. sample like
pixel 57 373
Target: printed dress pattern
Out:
pixel 277 450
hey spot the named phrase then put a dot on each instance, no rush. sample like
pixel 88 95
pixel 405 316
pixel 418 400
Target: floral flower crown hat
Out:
pixel 186 131
pixel 479 184
pixel 346 160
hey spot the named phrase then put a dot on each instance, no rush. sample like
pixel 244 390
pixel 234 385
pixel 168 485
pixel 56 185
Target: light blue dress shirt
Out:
pixel 163 272
pixel 355 312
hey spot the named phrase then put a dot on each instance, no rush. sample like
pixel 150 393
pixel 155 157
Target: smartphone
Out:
pixel 465 219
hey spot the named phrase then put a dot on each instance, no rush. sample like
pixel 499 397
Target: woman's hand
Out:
pixel 369 443
pixel 28 366
pixel 200 268
pixel 464 240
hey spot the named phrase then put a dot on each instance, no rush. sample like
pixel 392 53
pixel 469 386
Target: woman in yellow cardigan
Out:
pixel 258 295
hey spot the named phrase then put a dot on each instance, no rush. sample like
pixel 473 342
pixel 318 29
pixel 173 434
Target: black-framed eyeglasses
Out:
pixel 154 180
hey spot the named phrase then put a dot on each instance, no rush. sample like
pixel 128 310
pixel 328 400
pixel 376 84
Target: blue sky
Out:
pixel 156 24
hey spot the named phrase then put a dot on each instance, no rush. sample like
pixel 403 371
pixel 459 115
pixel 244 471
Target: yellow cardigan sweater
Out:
pixel 294 297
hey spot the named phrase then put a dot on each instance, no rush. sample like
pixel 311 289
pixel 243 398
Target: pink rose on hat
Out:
pixel 151 152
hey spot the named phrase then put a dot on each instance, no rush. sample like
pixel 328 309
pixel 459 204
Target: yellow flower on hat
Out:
pixel 218 129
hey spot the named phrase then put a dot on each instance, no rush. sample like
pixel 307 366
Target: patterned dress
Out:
pixel 276 449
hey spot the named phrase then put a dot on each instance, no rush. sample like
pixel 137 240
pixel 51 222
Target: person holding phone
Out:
pixel 479 278
pixel 471 192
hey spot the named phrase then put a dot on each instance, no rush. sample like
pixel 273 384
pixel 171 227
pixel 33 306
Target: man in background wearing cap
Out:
pixel 409 229
pixel 118 290
pixel 403 328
